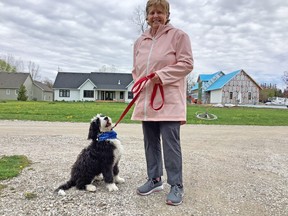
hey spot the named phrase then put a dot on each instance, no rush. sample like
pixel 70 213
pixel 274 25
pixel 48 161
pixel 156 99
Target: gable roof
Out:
pixel 222 81
pixel 207 77
pixel 43 86
pixel 101 80
pixel 195 87
pixel 12 80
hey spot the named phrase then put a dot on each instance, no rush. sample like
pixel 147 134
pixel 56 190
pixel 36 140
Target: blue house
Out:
pixel 236 87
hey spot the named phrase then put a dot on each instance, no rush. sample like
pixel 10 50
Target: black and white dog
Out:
pixel 97 161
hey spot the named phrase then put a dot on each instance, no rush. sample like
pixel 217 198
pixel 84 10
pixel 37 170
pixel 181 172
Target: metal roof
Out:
pixel 222 81
pixel 207 77
pixel 195 87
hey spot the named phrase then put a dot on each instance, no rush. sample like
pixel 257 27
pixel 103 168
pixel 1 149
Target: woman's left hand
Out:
pixel 156 79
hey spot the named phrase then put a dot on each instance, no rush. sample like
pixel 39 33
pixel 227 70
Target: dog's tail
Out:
pixel 65 186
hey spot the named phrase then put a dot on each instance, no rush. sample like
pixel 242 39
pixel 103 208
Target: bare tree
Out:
pixel 190 82
pixel 33 69
pixel 139 18
pixel 10 64
pixel 107 68
pixel 103 68
pixel 48 82
pixel 285 78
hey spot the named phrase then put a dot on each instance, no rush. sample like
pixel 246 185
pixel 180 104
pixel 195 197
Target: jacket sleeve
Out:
pixel 184 60
pixel 134 56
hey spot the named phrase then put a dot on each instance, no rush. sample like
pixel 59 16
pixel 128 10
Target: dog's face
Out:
pixel 99 124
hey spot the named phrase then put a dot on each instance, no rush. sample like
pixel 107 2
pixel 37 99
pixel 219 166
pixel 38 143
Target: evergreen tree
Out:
pixel 22 94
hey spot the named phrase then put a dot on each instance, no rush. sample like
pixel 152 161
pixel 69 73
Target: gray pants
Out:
pixel 170 134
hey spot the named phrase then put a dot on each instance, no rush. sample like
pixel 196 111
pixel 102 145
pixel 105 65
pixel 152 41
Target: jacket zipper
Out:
pixel 147 71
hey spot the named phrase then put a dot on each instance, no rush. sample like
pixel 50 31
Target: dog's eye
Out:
pixel 106 118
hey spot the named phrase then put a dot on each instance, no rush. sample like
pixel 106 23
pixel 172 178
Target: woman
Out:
pixel 166 52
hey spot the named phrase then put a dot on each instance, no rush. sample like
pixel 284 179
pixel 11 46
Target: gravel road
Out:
pixel 228 170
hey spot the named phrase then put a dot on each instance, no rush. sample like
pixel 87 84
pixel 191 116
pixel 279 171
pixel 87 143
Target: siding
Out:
pixel 241 85
pixel 216 97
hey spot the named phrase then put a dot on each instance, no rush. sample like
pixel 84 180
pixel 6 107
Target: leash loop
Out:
pixel 137 89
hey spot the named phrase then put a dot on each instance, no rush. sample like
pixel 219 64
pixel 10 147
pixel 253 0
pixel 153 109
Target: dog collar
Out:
pixel 107 135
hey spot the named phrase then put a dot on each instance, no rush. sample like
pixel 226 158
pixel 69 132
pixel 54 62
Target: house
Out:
pixel 11 82
pixel 42 92
pixel 93 86
pixel 233 88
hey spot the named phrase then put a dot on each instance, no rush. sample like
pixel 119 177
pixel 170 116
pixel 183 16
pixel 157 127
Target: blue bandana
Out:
pixel 107 135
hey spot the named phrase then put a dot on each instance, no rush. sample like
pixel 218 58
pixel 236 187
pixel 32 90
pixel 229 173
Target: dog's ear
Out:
pixel 94 129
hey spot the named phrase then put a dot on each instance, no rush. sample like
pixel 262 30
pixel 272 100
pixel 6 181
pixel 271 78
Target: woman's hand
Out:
pixel 156 79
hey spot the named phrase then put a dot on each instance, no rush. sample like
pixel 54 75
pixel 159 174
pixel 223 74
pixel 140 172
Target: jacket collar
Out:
pixel 161 30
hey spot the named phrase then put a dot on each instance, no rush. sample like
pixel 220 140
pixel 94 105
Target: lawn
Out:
pixel 11 166
pixel 83 111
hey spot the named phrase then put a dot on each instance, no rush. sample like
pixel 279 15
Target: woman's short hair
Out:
pixel 163 3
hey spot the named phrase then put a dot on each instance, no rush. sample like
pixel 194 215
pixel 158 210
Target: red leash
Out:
pixel 137 89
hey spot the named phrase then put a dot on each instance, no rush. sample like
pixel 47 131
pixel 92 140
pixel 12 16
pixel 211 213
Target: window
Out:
pixel 7 91
pixel 64 93
pixel 130 95
pixel 249 96
pixel 121 95
pixel 231 95
pixel 88 94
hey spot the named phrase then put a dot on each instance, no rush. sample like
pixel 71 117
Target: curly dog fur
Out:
pixel 99 160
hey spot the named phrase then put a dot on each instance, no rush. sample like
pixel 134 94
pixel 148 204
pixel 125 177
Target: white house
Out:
pixel 69 86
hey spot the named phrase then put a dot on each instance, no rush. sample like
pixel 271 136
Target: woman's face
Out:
pixel 156 17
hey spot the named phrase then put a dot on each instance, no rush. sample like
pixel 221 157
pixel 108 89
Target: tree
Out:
pixel 285 78
pixel 22 93
pixel 5 67
pixel 285 93
pixel 269 91
pixel 10 64
pixel 107 68
pixel 139 18
pixel 33 69
pixel 48 82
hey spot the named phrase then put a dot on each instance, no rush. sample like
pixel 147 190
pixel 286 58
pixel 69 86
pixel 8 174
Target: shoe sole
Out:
pixel 173 204
pixel 169 202
pixel 157 189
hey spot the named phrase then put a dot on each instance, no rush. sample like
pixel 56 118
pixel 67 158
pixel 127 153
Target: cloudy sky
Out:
pixel 83 36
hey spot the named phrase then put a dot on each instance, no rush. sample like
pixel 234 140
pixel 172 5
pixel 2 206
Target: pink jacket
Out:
pixel 169 55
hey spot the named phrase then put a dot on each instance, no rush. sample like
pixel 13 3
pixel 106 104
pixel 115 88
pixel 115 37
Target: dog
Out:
pixel 99 160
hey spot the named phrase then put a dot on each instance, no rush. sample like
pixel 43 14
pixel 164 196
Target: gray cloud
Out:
pixel 85 35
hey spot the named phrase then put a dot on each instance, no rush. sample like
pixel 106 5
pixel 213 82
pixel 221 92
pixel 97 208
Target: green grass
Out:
pixel 241 116
pixel 84 111
pixel 11 166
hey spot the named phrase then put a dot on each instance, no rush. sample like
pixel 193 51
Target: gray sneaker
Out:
pixel 175 197
pixel 150 187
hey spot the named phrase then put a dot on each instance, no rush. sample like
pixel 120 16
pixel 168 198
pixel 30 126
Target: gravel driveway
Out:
pixel 228 170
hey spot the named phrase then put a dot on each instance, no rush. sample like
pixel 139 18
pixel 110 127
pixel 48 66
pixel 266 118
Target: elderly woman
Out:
pixel 165 52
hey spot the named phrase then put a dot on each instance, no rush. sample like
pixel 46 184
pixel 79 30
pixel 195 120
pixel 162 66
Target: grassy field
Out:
pixel 84 111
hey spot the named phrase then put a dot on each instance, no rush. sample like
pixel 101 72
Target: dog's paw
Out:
pixel 91 188
pixel 112 187
pixel 98 178
pixel 119 180
pixel 61 192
